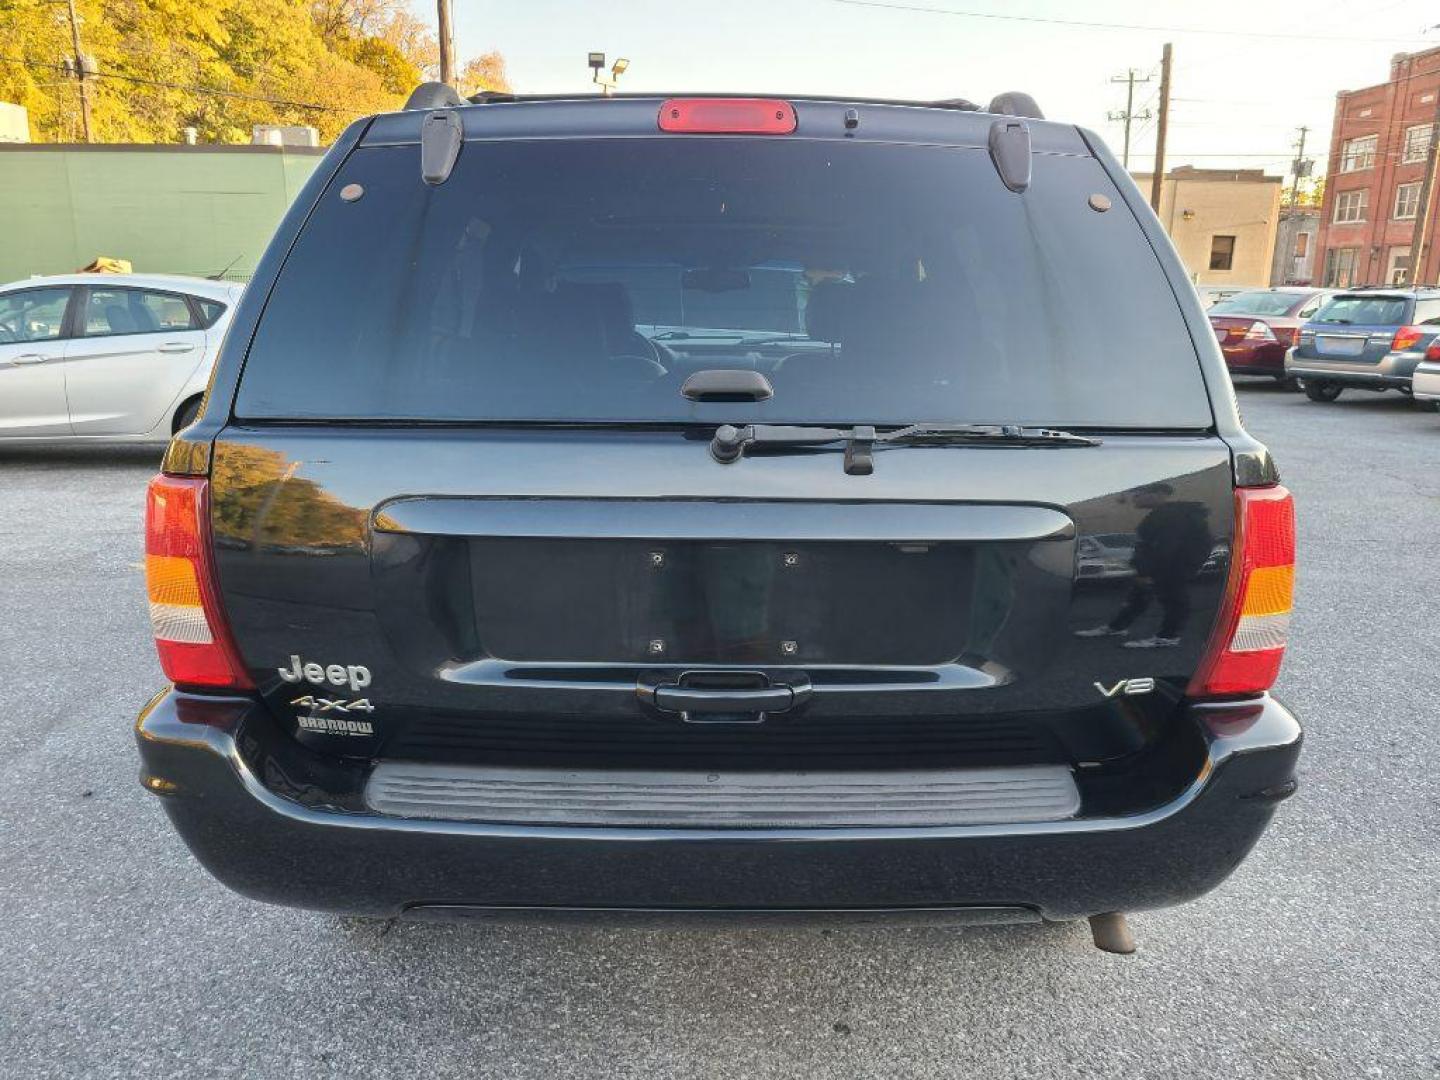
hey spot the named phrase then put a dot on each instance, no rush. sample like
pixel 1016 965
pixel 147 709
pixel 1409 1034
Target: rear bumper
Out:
pixel 1426 383
pixel 262 815
pixel 1392 372
pixel 1266 359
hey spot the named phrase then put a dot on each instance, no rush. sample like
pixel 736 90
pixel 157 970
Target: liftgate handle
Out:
pixel 679 698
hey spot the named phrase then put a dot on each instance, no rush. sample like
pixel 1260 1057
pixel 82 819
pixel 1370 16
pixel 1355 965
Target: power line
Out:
pixel 1175 161
pixel 1214 154
pixel 1236 101
pixel 1082 24
pixel 211 90
pixel 216 92
pixel 1397 154
pixel 1221 123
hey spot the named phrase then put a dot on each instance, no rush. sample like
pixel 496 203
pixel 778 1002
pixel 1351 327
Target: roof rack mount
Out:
pixel 433 95
pixel 1015 103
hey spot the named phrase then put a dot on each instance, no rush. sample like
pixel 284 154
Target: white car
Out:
pixel 1425 383
pixel 108 356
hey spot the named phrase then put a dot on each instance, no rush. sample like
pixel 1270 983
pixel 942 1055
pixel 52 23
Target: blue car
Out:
pixel 1368 339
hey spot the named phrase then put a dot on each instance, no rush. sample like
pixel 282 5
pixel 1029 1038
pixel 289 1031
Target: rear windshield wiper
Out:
pixel 731 443
pixel 749 337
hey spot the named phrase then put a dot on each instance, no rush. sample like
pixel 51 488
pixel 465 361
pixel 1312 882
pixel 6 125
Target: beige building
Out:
pixel 1221 221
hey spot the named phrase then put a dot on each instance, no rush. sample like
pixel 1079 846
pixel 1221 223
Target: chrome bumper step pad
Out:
pixel 724 800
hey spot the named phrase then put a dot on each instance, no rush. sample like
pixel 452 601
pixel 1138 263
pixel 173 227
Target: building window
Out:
pixel 1358 153
pixel 1407 200
pixel 1340 266
pixel 1351 205
pixel 1222 252
pixel 1302 245
pixel 1398 272
pixel 1417 144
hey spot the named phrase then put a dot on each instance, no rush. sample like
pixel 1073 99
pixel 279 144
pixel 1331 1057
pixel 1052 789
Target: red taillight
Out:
pixel 1285 335
pixel 1248 643
pixel 1406 338
pixel 191 635
pixel 727 116
pixel 1433 352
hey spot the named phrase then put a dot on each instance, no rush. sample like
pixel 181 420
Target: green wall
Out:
pixel 168 209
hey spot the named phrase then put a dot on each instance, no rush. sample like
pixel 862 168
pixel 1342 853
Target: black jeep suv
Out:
pixel 726 506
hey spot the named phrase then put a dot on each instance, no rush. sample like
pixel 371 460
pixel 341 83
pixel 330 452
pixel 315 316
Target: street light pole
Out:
pixel 80 70
pixel 604 81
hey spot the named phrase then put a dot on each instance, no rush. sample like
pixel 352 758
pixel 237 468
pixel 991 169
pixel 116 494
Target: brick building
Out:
pixel 1379 151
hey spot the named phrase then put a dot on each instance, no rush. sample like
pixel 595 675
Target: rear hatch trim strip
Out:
pixel 679 519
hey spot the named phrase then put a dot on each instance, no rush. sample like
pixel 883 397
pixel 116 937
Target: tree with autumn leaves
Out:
pixel 219 66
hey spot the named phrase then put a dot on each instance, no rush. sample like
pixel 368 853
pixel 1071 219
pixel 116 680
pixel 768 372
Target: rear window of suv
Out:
pixel 584 279
pixel 1365 311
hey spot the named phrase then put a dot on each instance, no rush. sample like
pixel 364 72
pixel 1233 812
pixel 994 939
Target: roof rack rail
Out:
pixel 438 95
pixel 433 95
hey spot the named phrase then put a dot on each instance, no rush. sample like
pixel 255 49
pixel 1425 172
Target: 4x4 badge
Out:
pixel 1127 687
pixel 324 705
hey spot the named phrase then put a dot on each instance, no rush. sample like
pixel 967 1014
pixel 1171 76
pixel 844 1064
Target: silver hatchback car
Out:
pixel 108 356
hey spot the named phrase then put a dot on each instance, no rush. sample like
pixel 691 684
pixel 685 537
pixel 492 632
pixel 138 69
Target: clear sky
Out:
pixel 1247 72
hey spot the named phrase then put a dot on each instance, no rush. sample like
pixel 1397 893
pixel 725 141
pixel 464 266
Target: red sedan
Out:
pixel 1256 327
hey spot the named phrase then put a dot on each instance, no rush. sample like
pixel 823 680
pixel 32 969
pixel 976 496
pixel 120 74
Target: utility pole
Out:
pixel 80 70
pixel 447 43
pixel 1301 167
pixel 1161 126
pixel 1130 79
pixel 1427 191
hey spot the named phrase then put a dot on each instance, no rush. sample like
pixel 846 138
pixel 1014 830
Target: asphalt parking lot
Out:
pixel 119 956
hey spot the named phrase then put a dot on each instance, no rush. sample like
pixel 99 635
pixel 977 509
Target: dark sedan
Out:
pixel 1256 327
